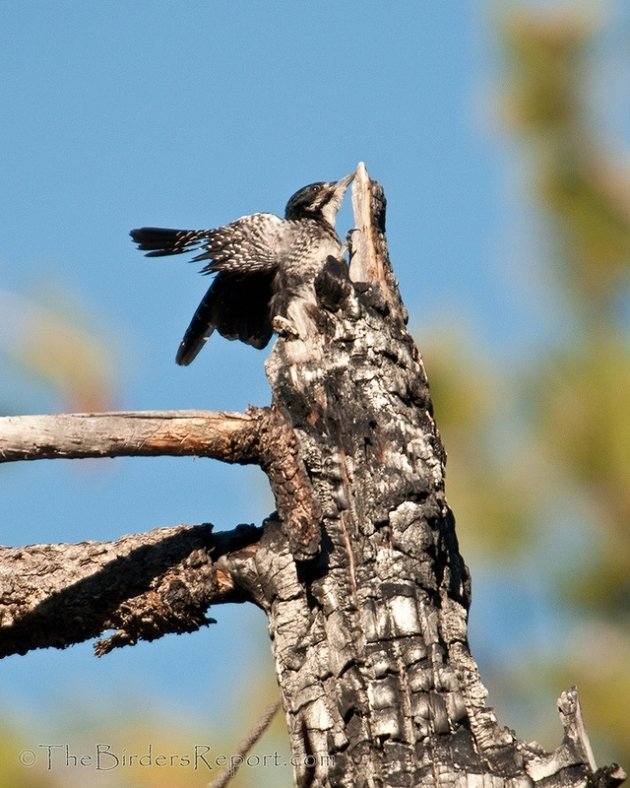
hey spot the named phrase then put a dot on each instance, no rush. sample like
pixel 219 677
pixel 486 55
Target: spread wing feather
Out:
pixel 238 308
pixel 245 256
pixel 248 245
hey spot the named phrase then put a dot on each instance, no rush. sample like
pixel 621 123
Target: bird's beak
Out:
pixel 343 183
pixel 338 189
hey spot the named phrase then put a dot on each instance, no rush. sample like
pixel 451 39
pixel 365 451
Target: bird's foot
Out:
pixel 285 327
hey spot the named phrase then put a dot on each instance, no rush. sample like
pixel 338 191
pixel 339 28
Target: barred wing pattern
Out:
pixel 245 255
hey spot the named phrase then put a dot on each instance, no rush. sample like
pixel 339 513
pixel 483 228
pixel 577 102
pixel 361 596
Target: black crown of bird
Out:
pixel 264 266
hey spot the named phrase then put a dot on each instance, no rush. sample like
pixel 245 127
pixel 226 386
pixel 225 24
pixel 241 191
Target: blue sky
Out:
pixel 192 114
pixel 118 115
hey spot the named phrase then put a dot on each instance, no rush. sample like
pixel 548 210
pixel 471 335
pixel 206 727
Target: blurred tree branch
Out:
pixel 47 336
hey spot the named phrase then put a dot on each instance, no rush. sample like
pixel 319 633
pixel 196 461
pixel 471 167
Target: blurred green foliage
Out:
pixel 143 747
pixel 49 338
pixel 539 454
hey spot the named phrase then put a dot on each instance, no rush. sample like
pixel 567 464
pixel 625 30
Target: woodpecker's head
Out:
pixel 318 201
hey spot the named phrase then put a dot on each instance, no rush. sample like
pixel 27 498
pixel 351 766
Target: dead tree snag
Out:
pixel 359 571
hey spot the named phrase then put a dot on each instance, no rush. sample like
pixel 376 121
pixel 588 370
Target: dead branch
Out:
pixel 142 586
pixel 231 437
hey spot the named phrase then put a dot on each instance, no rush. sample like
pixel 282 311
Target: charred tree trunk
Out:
pixel 370 634
pixel 359 571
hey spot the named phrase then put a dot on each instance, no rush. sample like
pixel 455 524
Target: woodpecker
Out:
pixel 265 267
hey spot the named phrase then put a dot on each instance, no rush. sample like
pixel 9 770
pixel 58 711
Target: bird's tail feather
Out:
pixel 161 241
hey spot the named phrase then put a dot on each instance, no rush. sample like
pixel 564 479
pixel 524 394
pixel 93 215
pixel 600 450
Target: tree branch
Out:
pixel 231 437
pixel 143 586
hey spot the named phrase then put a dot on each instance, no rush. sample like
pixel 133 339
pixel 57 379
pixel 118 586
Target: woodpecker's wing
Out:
pixel 237 307
pixel 245 255
pixel 253 244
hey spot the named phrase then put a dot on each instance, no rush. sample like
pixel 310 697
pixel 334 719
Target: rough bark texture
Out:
pixel 369 637
pixel 375 667
pixel 359 571
pixel 142 586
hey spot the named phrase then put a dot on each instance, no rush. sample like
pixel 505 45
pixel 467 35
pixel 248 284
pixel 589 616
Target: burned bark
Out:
pixel 359 572
pixel 141 586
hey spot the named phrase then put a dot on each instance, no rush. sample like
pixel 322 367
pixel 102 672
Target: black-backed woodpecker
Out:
pixel 265 267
